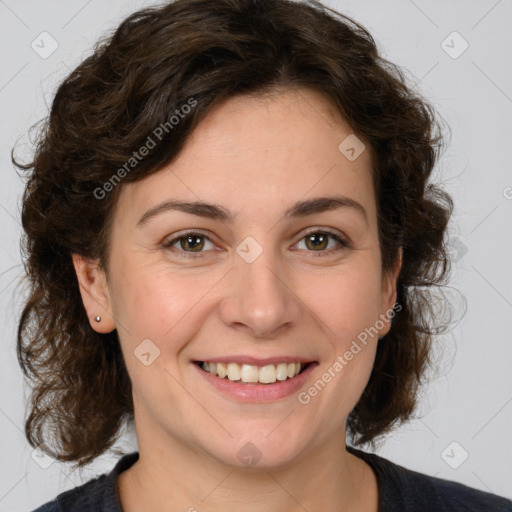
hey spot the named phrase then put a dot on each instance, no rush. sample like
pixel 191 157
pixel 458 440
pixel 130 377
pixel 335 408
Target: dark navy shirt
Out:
pixel 400 490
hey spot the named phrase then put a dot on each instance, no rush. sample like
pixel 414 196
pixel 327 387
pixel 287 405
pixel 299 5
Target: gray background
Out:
pixel 467 409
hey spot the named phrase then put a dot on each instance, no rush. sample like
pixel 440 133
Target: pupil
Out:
pixel 321 239
pixel 190 241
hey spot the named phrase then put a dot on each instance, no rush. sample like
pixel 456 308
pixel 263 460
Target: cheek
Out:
pixel 149 310
pixel 348 302
pixel 350 308
pixel 160 304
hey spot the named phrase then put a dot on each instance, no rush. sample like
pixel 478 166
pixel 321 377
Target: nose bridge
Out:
pixel 260 298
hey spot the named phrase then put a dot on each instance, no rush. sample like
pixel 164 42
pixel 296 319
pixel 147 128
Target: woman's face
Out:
pixel 251 285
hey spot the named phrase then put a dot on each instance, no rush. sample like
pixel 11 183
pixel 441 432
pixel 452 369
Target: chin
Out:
pixel 262 451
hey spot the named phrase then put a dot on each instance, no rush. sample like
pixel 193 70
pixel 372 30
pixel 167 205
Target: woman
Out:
pixel 226 218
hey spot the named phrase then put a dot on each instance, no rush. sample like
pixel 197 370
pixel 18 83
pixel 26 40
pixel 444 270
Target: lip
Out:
pixel 257 393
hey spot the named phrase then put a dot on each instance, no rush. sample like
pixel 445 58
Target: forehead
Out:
pixel 274 149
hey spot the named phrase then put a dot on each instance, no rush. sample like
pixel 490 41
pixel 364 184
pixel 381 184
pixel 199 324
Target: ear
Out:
pixel 95 294
pixel 389 294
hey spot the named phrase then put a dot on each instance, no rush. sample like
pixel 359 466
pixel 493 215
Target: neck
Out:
pixel 178 477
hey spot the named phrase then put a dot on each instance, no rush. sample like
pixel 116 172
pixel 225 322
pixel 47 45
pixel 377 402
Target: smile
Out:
pixel 251 383
pixel 248 373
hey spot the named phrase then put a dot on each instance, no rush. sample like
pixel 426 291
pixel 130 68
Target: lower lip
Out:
pixel 258 392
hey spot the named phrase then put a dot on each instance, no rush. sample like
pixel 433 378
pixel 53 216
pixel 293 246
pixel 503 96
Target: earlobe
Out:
pixel 95 293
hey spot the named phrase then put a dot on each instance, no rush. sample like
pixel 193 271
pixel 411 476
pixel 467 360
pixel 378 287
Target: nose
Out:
pixel 260 299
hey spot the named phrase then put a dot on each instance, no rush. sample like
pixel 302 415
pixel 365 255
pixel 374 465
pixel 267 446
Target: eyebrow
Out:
pixel 217 212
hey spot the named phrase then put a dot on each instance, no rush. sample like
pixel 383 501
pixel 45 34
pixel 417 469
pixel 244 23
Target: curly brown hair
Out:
pixel 135 80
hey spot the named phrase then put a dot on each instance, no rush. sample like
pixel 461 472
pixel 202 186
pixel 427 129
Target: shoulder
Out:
pixel 51 506
pixel 78 499
pixel 98 494
pixel 455 496
pixel 403 490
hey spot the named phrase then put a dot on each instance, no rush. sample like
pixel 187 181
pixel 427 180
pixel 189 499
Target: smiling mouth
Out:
pixel 252 374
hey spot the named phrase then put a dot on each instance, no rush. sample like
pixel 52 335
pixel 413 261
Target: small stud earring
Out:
pixel 97 318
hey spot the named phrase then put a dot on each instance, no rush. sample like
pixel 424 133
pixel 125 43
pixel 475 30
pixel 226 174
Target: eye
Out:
pixel 319 241
pixel 189 242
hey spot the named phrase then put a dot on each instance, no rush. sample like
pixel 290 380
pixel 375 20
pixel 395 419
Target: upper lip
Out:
pixel 257 361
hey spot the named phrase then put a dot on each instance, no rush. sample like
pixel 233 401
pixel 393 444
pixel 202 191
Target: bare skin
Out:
pixel 256 157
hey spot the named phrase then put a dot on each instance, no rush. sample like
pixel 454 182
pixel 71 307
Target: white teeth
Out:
pixel 234 371
pixel 282 371
pixel 222 369
pixel 267 374
pixel 250 373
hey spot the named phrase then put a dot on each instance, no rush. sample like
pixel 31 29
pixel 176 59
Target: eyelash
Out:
pixel 343 243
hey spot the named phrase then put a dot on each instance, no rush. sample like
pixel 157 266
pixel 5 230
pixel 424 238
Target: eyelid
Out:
pixel 188 232
pixel 168 241
pixel 327 231
pixel 341 238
